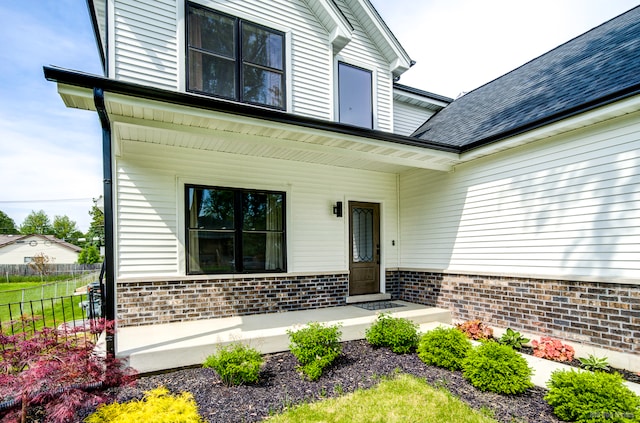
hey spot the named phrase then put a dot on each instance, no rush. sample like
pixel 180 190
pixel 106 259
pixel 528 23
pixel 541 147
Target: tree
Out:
pixel 66 229
pixel 89 255
pixel 36 223
pixel 96 228
pixel 7 225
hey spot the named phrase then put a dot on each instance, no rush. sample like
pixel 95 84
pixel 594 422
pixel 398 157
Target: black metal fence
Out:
pixel 68 314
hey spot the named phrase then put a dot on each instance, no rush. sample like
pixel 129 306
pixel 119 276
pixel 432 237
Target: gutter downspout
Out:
pixel 107 172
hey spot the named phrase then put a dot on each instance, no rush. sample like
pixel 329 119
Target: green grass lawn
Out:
pixel 51 310
pixel 402 399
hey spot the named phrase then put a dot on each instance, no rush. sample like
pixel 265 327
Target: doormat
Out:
pixel 378 305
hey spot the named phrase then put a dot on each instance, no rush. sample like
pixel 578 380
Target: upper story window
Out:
pixel 355 95
pixel 235 59
pixel 232 230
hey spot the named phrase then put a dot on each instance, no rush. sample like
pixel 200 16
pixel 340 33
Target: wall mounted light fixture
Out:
pixel 337 209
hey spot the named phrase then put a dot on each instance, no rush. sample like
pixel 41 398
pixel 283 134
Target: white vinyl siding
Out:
pixel 565 207
pixel 148 48
pixel 361 51
pixel 150 215
pixel 146 42
pixel 407 118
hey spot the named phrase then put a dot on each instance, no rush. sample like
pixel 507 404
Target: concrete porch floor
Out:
pixel 166 346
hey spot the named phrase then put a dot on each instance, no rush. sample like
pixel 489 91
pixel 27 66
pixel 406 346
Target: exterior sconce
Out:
pixel 337 209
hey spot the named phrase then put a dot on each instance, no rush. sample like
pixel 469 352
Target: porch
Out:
pixel 171 345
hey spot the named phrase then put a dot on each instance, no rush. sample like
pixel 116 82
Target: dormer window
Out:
pixel 235 59
pixel 355 95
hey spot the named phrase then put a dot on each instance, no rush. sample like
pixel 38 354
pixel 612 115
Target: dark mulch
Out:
pixel 359 366
pixel 626 374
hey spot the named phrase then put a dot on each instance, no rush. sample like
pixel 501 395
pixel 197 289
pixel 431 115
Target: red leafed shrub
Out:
pixel 552 349
pixel 56 369
pixel 476 330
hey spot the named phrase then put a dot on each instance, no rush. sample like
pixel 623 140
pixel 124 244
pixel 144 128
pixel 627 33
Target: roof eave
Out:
pixel 90 81
pixel 556 117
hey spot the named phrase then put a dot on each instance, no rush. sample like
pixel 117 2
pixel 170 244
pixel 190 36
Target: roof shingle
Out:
pixel 593 67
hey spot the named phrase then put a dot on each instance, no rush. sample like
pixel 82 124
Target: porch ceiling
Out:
pixel 143 120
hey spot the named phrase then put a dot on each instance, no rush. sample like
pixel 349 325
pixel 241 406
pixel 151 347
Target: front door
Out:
pixel 364 246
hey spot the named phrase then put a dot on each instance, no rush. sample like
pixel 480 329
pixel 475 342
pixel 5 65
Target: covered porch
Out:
pixel 159 347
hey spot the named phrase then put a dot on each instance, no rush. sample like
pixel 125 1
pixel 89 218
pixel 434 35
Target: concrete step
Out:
pixel 173 345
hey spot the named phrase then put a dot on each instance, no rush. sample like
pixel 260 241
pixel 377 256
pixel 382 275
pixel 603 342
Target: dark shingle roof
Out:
pixel 598 66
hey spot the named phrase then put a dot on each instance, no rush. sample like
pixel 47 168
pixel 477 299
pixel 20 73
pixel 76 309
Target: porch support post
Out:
pixel 107 171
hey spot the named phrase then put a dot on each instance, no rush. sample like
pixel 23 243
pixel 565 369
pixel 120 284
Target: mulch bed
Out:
pixel 359 367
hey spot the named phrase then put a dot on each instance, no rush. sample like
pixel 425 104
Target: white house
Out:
pixel 20 249
pixel 261 157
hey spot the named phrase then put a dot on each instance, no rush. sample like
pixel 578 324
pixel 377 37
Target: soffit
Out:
pixel 150 121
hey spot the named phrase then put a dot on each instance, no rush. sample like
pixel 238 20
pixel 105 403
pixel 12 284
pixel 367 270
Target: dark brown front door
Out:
pixel 364 246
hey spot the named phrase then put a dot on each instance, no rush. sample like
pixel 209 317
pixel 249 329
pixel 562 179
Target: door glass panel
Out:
pixel 362 219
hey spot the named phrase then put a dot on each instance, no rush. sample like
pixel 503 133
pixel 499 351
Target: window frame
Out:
pixel 371 93
pixel 239 61
pixel 238 229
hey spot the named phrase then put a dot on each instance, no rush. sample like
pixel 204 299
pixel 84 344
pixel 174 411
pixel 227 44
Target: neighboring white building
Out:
pixel 265 159
pixel 20 249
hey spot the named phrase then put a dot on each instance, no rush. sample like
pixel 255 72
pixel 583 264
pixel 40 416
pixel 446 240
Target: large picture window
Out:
pixel 355 96
pixel 235 59
pixel 234 230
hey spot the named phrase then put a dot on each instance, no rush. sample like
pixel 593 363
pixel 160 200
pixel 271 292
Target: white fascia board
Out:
pixel 400 62
pixel 601 114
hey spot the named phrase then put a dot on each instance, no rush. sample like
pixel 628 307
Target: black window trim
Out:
pixel 239 61
pixel 370 72
pixel 238 229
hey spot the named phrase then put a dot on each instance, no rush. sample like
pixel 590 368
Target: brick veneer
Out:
pixel 145 303
pixel 601 314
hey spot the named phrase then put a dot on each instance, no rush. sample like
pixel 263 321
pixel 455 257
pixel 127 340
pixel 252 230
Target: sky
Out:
pixel 51 156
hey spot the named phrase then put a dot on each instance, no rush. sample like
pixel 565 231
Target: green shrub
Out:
pixel 513 339
pixel 592 397
pixel 399 334
pixel 593 363
pixel 497 368
pixel 315 346
pixel 236 364
pixel 444 348
pixel 157 406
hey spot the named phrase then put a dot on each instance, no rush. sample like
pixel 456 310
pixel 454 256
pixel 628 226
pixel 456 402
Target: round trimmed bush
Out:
pixel 236 364
pixel 444 347
pixel 590 397
pixel 397 333
pixel 497 368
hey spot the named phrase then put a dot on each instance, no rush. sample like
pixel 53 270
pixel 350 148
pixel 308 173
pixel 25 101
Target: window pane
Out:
pixel 211 208
pixel 262 47
pixel 212 32
pixel 211 252
pixel 263 87
pixel 263 251
pixel 262 211
pixel 211 74
pixel 355 96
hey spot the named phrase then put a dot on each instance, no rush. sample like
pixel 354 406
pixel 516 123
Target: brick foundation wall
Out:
pixel 602 314
pixel 145 303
